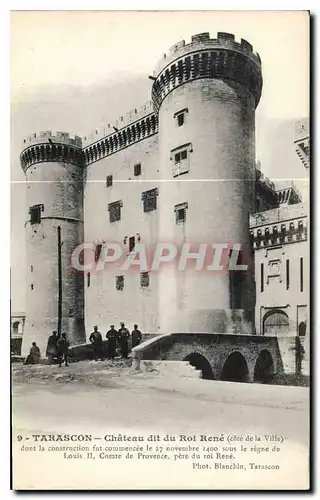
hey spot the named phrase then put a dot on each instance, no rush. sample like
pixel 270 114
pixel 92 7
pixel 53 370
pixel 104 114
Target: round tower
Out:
pixel 53 166
pixel 206 93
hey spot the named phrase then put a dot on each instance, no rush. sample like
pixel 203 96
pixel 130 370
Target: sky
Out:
pixel 74 71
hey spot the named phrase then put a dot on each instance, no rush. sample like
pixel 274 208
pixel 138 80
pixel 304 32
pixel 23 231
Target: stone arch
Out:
pixel 235 368
pixel 264 367
pixel 275 322
pixel 200 362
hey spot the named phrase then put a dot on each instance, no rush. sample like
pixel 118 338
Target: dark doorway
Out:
pixel 235 368
pixel 264 369
pixel 275 322
pixel 200 363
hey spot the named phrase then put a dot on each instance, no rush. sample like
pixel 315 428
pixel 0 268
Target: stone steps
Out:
pixel 170 368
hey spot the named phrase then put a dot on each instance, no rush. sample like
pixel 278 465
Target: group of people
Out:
pixel 114 337
pixel 58 345
pixel 57 348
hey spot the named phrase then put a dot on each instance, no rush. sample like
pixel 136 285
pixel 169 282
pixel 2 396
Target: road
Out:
pixel 119 401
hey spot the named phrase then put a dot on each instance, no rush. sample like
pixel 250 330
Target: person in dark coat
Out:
pixel 112 335
pixel 62 348
pixel 51 351
pixel 136 336
pixel 123 339
pixel 97 342
pixel 34 355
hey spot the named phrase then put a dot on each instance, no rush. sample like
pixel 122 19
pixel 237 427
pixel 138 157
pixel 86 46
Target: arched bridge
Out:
pixel 229 357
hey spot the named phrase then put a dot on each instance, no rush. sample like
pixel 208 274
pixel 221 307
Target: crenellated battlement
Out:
pixel 203 41
pixel 286 224
pixel 58 137
pixel 220 58
pixel 126 119
pixel 51 147
pixel 204 57
pixel 122 138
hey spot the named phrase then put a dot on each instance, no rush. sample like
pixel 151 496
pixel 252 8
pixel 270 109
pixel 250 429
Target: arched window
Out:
pixel 275 323
pixel 15 328
pixel 302 329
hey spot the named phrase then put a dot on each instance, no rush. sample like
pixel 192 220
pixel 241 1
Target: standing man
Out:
pixel 51 351
pixel 112 335
pixel 97 342
pixel 123 338
pixel 62 347
pixel 136 336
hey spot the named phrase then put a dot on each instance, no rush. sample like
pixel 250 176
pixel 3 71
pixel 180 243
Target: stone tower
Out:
pixel 53 166
pixel 206 93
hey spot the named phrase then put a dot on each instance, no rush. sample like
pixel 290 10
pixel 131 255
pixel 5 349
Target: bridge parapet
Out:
pixel 214 348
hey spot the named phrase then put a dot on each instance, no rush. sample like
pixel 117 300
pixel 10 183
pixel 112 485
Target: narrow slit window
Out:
pixel 109 180
pixel 301 274
pixel 132 243
pixel 88 279
pixel 262 277
pixel 120 282
pixel 287 274
pixel 137 169
pixel 97 252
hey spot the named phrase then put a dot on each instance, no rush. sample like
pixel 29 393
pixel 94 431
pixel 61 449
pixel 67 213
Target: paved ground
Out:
pixel 102 398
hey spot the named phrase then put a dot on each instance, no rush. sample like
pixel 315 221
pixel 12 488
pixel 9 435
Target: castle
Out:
pixel 179 170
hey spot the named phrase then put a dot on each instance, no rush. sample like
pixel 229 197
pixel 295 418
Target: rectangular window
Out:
pixel 262 277
pixel 180 117
pixel 35 214
pixel 181 212
pixel 301 274
pixel 181 159
pixel 184 155
pixel 88 279
pixel 274 268
pixel 31 268
pixel 115 211
pixel 97 252
pixel 149 199
pixel 287 274
pixel 120 282
pixel 109 180
pixel 144 280
pixel 132 243
pixel 137 169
